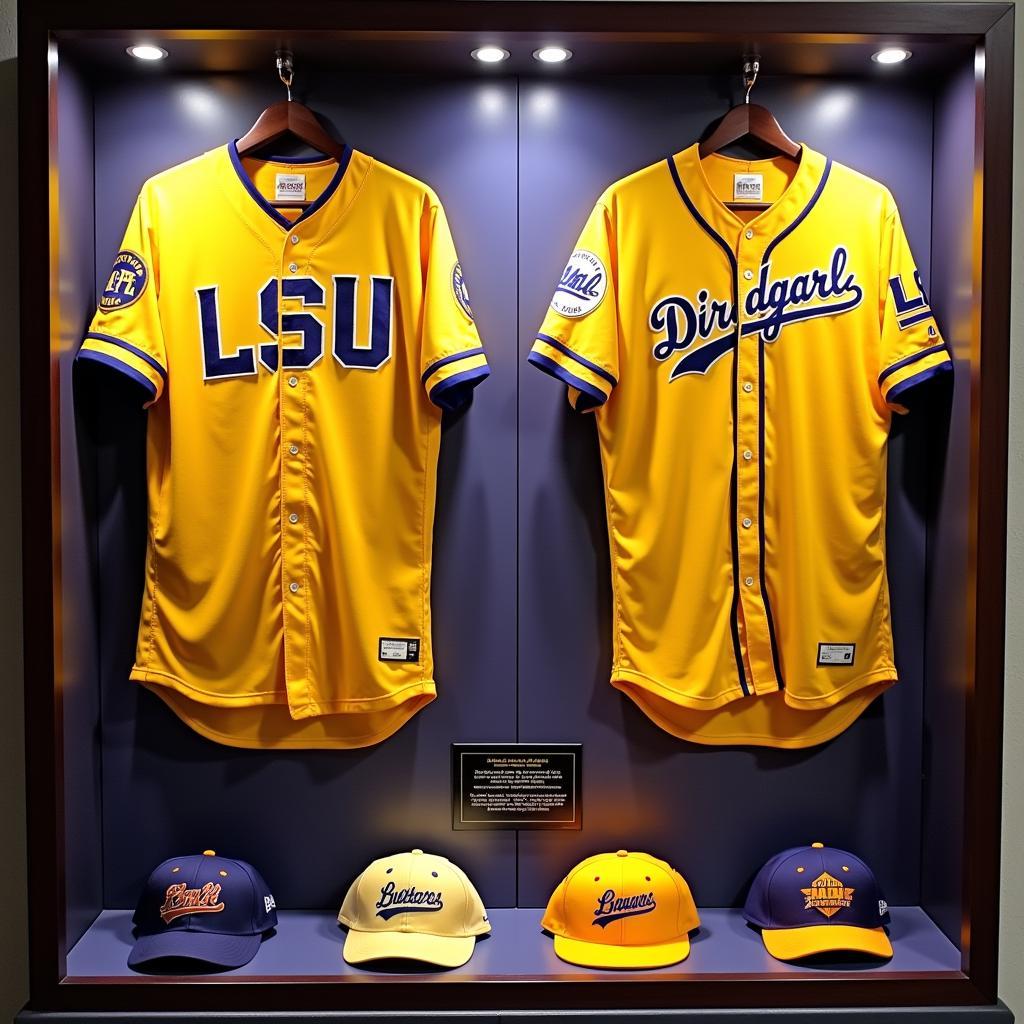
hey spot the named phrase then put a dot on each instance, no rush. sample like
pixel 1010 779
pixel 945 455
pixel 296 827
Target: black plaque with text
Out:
pixel 516 785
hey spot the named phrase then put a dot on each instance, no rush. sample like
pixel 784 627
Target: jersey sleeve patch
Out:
pixel 583 285
pixel 460 291
pixel 126 283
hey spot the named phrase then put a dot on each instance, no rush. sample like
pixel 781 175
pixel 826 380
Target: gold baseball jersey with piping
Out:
pixel 296 364
pixel 745 480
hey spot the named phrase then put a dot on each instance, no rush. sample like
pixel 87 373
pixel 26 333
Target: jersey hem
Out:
pixel 325 743
pixel 309 709
pixel 857 704
pixel 669 693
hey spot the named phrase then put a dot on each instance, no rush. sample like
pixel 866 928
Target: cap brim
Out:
pixel 598 954
pixel 209 947
pixel 795 943
pixel 441 950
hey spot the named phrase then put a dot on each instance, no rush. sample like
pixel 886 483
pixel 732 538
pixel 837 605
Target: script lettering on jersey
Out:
pixel 407 901
pixel 769 306
pixel 611 907
pixel 180 900
pixel 225 357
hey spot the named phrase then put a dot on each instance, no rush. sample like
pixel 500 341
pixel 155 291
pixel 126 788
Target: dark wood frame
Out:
pixel 989 26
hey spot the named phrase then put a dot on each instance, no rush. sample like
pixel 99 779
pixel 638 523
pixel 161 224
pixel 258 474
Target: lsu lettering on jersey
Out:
pixel 296 363
pixel 744 368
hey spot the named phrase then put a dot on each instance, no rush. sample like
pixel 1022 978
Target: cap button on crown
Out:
pixel 817 846
pixel 417 851
pixel 209 853
pixel 622 853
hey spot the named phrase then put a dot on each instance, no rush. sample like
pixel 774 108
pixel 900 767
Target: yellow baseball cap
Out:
pixel 415 906
pixel 623 910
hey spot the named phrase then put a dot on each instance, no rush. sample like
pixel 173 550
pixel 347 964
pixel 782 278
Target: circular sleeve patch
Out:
pixel 584 282
pixel 126 283
pixel 460 290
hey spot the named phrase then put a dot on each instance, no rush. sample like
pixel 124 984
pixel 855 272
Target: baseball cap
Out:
pixel 203 907
pixel 815 899
pixel 625 910
pixel 414 906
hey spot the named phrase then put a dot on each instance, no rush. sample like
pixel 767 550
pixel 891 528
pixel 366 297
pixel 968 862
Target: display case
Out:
pixel 518 153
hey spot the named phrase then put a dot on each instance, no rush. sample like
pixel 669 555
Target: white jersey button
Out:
pixel 750 234
pixel 746 522
pixel 294 449
pixel 292 381
pixel 748 274
pixel 293 587
pixel 293 518
pixel 748 455
pixel 295 239
pixel 749 581
pixel 748 387
pixel 293 267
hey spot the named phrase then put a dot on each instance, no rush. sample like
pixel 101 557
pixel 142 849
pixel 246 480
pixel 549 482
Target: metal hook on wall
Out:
pixel 751 67
pixel 285 69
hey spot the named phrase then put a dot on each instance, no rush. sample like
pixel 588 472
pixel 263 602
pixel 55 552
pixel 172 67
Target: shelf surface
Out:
pixel 307 944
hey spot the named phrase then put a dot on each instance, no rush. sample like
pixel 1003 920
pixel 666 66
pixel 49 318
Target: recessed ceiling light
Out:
pixel 489 54
pixel 891 55
pixel 146 51
pixel 552 54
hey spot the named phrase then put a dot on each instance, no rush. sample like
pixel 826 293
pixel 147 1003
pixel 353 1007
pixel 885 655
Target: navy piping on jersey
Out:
pixel 593 367
pixel 915 319
pixel 725 247
pixel 127 345
pixel 905 385
pixel 444 361
pixel 561 373
pixel 794 224
pixel 889 371
pixel 267 208
pixel 116 364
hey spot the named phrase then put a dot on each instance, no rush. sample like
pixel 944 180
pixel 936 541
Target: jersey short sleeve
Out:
pixel 578 343
pixel 125 332
pixel 452 360
pixel 912 349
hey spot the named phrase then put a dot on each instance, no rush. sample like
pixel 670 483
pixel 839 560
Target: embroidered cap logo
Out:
pixel 180 900
pixel 828 895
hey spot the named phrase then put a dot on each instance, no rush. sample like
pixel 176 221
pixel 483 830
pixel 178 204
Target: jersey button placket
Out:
pixel 748 385
pixel 291 391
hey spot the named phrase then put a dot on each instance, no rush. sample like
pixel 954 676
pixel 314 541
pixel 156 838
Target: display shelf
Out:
pixel 308 944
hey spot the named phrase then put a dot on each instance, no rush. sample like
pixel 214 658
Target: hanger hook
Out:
pixel 751 67
pixel 285 69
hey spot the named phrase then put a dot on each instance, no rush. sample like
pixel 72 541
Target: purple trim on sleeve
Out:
pixel 127 345
pixel 941 347
pixel 116 364
pixel 437 364
pixel 915 319
pixel 593 367
pixel 918 378
pixel 558 371
pixel 453 393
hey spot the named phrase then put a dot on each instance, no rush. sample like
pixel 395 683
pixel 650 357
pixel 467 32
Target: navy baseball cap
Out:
pixel 813 899
pixel 203 907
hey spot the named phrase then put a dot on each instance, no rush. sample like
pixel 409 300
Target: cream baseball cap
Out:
pixel 416 906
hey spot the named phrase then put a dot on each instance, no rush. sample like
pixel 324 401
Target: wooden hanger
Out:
pixel 289 117
pixel 750 120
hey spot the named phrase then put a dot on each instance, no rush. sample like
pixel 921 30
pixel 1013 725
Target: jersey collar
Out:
pixel 257 197
pixel 801 193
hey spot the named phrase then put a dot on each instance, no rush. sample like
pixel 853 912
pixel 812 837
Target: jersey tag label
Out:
pixel 290 186
pixel 747 188
pixel 836 654
pixel 392 648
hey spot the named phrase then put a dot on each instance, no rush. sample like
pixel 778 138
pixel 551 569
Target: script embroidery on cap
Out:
pixel 613 908
pixel 828 895
pixel 405 901
pixel 180 900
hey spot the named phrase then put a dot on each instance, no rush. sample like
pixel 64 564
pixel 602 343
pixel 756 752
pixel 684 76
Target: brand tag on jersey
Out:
pixel 747 188
pixel 290 186
pixel 836 654
pixel 391 648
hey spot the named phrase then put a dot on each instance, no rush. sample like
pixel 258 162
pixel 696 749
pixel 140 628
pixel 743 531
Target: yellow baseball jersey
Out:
pixel 296 361
pixel 744 368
